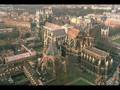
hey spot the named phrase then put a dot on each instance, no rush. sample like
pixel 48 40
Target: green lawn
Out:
pixel 117 41
pixel 88 76
pixel 21 82
pixel 64 78
pixel 19 77
pixel 4 42
pixel 39 49
pixel 72 75
pixel 4 83
pixel 80 82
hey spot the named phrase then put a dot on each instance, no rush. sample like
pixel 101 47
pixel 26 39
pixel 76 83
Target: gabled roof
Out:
pixel 73 33
pixel 56 29
pixel 20 56
pixel 52 26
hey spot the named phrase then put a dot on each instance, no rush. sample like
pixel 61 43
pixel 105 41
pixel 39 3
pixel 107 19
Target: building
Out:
pixel 19 57
pixel 43 13
pixel 103 7
pixel 53 33
pixel 97 61
pixel 114 23
pixel 15 23
pixel 66 27
pixel 3 14
pixel 72 37
pixel 76 20
pixel 12 58
pixel 112 20
pixel 105 32
pixel 6 30
pixel 91 59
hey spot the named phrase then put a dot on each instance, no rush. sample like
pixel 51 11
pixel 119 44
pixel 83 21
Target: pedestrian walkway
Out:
pixel 80 78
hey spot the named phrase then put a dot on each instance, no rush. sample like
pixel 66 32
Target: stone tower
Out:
pixel 105 32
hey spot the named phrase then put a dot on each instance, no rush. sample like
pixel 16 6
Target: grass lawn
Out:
pixel 21 82
pixel 117 41
pixel 4 42
pixel 64 78
pixel 88 76
pixel 72 75
pixel 39 49
pixel 4 83
pixel 19 77
pixel 80 82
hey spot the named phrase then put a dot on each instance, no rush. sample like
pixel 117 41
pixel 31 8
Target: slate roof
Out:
pixel 59 32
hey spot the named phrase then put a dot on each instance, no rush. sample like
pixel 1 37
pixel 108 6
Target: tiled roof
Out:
pixel 56 29
pixel 19 56
pixel 73 33
pixel 115 23
pixel 52 26
pixel 17 23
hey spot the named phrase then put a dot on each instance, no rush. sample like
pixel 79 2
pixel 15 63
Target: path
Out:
pixel 80 78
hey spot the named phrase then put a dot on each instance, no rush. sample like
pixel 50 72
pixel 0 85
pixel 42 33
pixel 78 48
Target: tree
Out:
pixel 33 26
pixel 27 35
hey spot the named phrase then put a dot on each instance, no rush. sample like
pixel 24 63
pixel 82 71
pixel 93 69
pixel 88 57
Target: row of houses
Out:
pixel 24 53
pixel 15 23
pixel 6 30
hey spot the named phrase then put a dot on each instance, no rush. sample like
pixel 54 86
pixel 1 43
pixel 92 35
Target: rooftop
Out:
pixel 94 51
pixel 19 56
pixel 59 32
pixel 73 33
pixel 52 26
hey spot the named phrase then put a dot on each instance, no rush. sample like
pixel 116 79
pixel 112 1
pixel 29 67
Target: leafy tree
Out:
pixel 27 35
